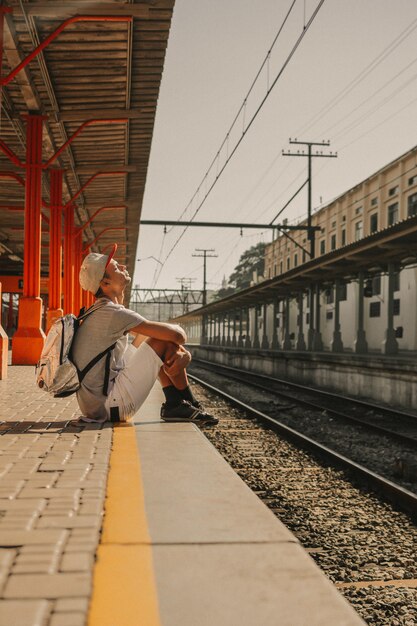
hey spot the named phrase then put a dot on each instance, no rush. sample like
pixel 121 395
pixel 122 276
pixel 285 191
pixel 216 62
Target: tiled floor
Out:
pixel 52 487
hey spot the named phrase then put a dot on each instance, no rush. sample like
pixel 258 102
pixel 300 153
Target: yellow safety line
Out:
pixel 124 591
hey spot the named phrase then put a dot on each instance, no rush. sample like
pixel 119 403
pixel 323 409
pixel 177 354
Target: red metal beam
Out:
pixel 103 208
pixel 90 180
pixel 29 338
pixel 72 20
pixel 55 248
pixel 105 230
pixel 10 154
pixel 13 175
pixel 78 131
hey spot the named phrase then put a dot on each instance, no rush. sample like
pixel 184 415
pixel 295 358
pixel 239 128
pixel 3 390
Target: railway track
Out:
pixel 377 418
pixel 364 545
pixel 283 422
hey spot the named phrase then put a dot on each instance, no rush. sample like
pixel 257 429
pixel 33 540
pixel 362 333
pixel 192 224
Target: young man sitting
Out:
pixel 119 383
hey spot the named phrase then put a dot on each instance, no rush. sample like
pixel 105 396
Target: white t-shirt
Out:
pixel 101 329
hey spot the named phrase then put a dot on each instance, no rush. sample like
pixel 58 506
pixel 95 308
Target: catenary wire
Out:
pixel 277 77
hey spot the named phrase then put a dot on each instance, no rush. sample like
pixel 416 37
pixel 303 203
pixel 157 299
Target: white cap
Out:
pixel 93 268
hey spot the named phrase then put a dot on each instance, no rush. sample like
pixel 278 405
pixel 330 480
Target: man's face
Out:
pixel 117 274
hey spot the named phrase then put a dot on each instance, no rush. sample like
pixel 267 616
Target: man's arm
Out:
pixel 162 331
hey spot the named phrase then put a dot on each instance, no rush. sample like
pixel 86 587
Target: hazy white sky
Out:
pixel 214 52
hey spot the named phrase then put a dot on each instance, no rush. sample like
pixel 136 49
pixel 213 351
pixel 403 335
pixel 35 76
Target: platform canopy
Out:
pixel 395 245
pixel 106 72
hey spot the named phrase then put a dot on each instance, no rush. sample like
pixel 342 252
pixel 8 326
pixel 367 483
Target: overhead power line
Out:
pixel 249 124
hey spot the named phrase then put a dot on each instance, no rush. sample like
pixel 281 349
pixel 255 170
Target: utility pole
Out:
pixel 309 154
pixel 186 284
pixel 205 256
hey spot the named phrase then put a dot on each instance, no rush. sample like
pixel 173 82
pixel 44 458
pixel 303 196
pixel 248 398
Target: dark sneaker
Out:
pixel 186 412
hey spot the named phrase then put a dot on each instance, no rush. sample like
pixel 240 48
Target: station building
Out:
pixel 342 320
pixel 379 202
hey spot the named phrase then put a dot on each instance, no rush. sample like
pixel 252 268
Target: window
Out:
pixel 412 180
pixel 323 246
pixel 295 260
pixel 280 267
pixel 374 202
pixel 375 309
pixel 373 223
pixel 392 213
pixel 358 210
pixel 343 218
pixel 393 191
pixel 343 292
pixel 275 269
pixel 288 263
pixel 358 230
pixel 333 224
pixel 333 242
pixel 396 304
pixel 304 256
pixel 344 237
pixel 412 205
pixel 307 318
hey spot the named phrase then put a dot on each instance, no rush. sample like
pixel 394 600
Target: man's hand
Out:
pixel 177 362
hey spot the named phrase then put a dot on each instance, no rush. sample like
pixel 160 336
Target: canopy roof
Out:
pixel 93 70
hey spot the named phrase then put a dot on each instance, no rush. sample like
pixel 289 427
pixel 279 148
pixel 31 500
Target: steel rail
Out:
pixel 330 412
pixel 395 493
pixel 319 392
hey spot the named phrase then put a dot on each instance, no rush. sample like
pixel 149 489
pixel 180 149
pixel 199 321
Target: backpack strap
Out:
pixel 82 373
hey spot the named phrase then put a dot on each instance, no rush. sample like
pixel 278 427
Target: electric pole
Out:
pixel 309 154
pixel 205 256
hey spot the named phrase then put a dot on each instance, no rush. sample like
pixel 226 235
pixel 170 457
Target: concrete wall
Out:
pixel 380 379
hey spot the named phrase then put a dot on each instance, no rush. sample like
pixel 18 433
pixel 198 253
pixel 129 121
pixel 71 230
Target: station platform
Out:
pixel 139 525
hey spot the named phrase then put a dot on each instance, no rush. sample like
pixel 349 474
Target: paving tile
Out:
pixel 67 619
pixel 72 605
pixel 84 534
pixel 39 567
pixel 11 489
pixel 24 612
pixel 76 562
pixel 7 558
pixel 48 555
pixel 96 507
pixel 24 537
pixel 48 492
pixel 81 546
pixel 79 521
pixel 33 504
pixel 48 586
pixel 19 522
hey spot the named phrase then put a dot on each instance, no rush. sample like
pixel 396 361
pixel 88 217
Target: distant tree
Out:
pixel 251 261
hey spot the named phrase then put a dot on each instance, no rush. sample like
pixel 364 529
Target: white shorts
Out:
pixel 134 383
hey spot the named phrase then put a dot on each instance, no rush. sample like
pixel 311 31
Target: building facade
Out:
pixel 379 202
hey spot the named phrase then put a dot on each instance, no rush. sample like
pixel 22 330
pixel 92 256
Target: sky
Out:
pixel 352 80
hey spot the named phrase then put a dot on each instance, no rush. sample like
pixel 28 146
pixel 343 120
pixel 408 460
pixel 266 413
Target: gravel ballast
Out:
pixel 353 536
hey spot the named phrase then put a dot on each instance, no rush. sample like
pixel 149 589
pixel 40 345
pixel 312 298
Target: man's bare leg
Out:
pixel 175 383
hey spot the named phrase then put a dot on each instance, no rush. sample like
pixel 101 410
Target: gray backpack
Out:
pixel 56 372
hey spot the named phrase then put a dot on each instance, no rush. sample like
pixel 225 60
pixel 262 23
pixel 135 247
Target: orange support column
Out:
pixel 77 266
pixel 69 259
pixel 29 338
pixel 55 249
pixel 4 346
